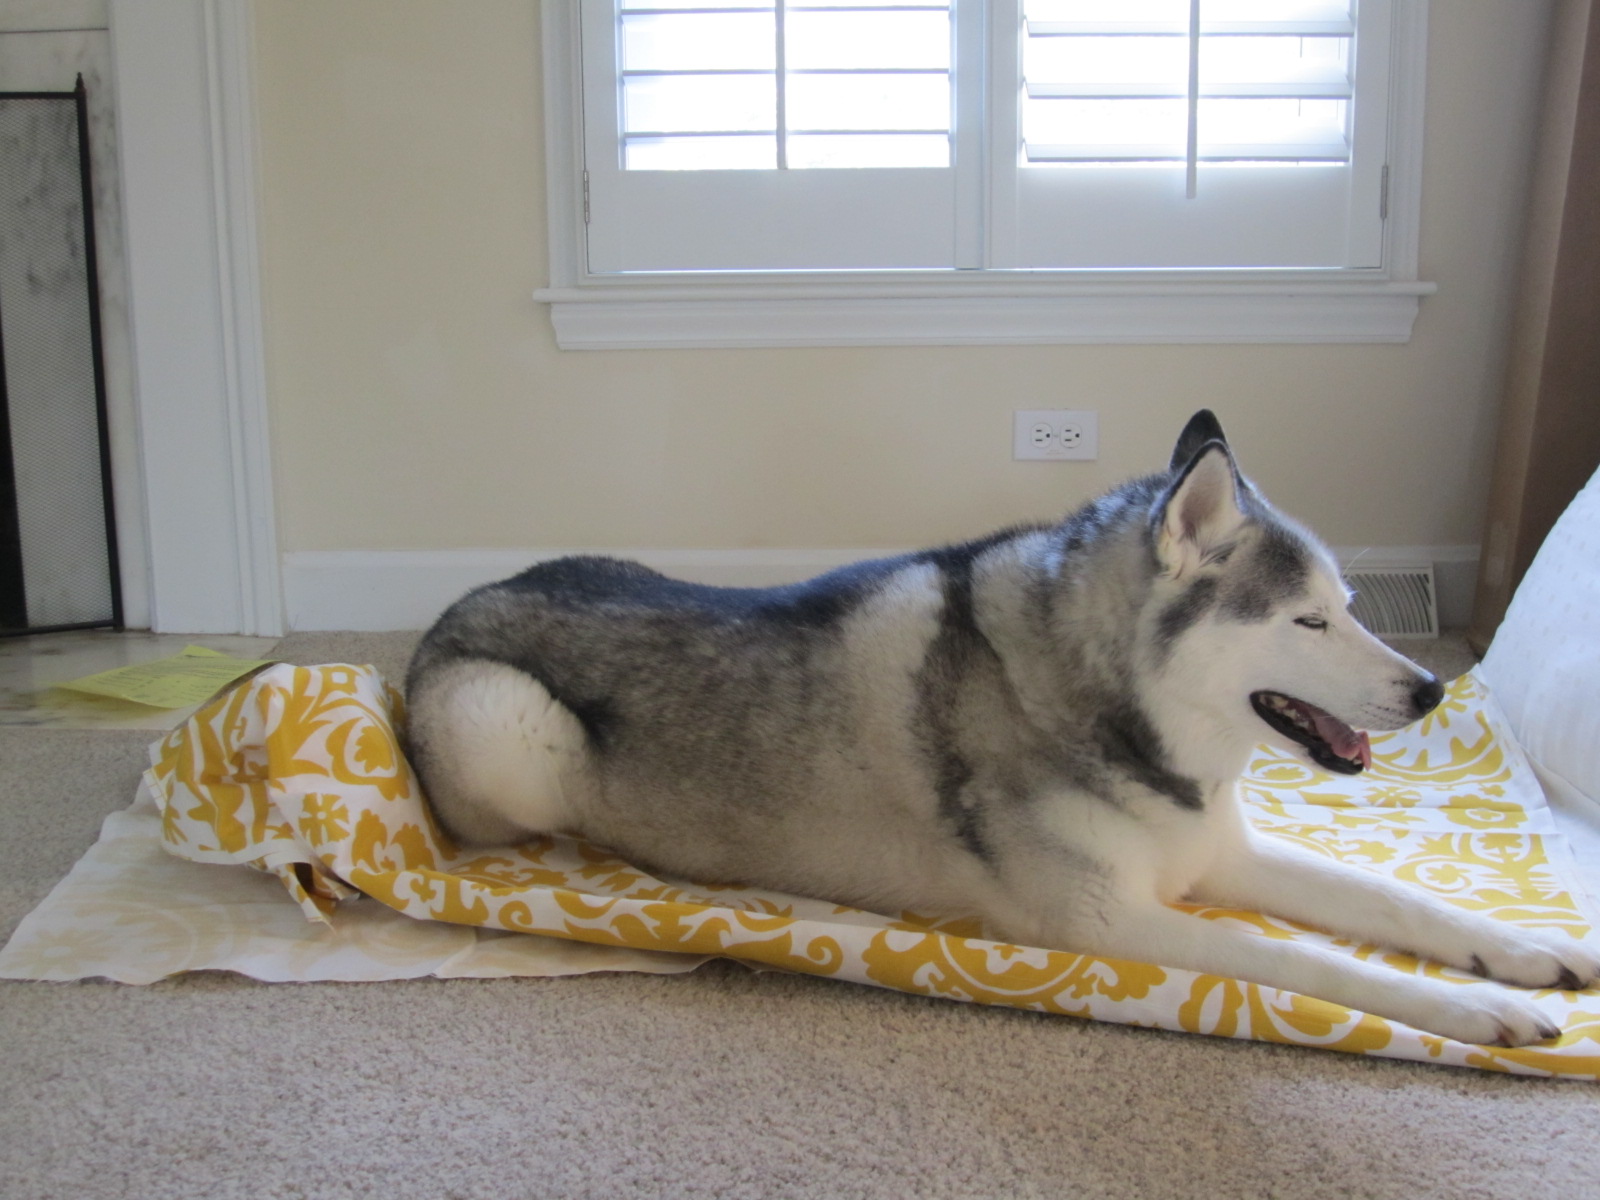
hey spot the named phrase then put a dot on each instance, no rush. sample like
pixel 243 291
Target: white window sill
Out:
pixel 884 311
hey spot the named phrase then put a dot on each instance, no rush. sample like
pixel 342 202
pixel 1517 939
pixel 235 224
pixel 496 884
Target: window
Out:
pixel 994 167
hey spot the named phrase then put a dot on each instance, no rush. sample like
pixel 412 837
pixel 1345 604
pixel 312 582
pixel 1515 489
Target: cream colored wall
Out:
pixel 419 401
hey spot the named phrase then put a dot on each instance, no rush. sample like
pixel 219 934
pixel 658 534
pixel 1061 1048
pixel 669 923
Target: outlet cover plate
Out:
pixel 1055 434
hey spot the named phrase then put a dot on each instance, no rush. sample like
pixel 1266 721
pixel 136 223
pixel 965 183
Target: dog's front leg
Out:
pixel 1267 874
pixel 1481 1014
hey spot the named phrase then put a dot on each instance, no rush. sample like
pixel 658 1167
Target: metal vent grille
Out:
pixel 1395 601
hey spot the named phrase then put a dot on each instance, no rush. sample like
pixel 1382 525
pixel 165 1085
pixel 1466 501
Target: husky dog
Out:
pixel 1044 728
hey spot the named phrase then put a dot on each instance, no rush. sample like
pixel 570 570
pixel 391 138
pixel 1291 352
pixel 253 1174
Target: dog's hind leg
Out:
pixel 499 757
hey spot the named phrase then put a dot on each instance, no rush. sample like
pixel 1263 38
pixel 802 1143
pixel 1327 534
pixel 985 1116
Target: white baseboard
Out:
pixel 371 590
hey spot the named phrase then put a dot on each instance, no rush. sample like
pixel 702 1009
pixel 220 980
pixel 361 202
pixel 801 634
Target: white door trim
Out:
pixel 186 125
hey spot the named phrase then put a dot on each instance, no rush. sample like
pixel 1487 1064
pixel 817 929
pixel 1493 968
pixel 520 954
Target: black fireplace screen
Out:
pixel 58 556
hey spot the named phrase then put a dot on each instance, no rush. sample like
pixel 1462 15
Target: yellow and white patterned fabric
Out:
pixel 298 772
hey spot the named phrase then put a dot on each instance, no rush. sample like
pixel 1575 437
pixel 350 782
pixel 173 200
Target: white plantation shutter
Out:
pixel 739 135
pixel 1005 167
pixel 745 85
pixel 1182 81
pixel 1201 133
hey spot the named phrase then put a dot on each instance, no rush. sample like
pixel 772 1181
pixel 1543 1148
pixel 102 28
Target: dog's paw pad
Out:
pixel 1511 1037
pixel 1498 1020
pixel 1539 960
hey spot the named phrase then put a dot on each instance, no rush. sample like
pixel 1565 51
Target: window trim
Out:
pixel 969 307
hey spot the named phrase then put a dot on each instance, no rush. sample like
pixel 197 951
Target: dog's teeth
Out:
pixel 1284 707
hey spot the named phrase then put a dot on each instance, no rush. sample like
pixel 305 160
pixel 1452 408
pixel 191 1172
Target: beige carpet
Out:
pixel 718 1083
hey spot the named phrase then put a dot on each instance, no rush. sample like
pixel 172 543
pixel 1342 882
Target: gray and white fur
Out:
pixel 1044 728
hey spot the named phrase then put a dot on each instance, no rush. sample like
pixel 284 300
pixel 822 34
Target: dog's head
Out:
pixel 1251 618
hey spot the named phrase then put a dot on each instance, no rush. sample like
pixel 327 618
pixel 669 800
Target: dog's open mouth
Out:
pixel 1331 743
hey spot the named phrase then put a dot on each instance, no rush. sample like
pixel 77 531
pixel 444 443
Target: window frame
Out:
pixel 987 306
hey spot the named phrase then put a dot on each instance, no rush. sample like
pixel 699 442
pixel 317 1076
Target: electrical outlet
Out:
pixel 1055 434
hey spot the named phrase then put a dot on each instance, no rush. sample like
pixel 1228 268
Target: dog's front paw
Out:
pixel 1537 959
pixel 1484 1016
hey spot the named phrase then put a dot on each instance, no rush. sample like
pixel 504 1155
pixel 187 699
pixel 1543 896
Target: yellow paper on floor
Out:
pixel 189 677
pixel 298 773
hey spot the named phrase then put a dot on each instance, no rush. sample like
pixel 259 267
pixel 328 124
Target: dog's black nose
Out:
pixel 1426 695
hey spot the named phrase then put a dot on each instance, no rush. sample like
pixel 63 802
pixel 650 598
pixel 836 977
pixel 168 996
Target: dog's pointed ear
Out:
pixel 1200 512
pixel 1203 427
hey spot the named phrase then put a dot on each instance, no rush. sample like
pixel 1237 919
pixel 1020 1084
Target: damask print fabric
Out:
pixel 298 773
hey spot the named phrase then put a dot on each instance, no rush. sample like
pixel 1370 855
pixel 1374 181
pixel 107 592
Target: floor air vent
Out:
pixel 1395 601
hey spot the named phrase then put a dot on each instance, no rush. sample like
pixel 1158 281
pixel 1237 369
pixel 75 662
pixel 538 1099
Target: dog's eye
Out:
pixel 1311 622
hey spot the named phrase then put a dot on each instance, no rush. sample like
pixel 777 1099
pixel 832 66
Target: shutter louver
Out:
pixel 781 85
pixel 1108 81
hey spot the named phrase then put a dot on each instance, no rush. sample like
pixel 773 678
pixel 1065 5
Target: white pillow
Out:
pixel 1544 663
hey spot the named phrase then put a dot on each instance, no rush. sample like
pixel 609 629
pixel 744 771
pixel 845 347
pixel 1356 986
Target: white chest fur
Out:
pixel 1145 841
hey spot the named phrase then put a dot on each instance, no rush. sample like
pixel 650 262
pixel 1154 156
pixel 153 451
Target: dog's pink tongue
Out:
pixel 1364 750
pixel 1346 742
